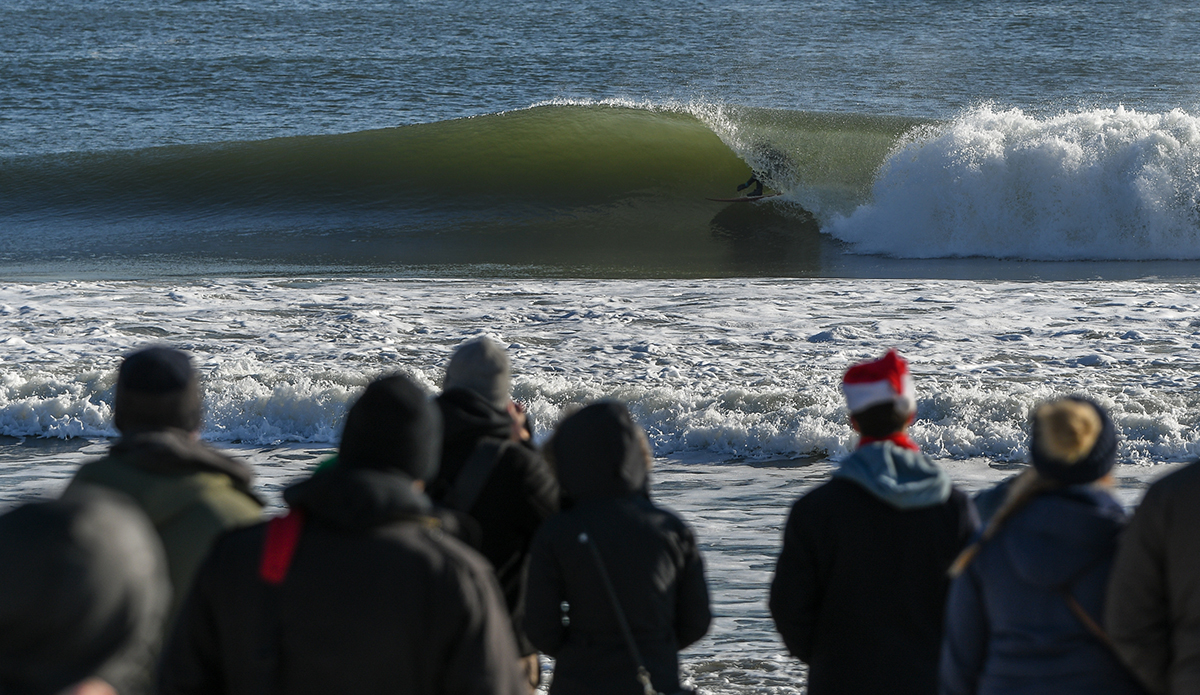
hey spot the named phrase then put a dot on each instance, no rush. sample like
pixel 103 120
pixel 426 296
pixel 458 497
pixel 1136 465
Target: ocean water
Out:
pixel 306 194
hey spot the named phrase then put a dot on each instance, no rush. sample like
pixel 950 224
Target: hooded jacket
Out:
pixel 649 553
pixel 1009 626
pixel 860 585
pixel 520 492
pixel 377 600
pixel 1153 608
pixel 191 492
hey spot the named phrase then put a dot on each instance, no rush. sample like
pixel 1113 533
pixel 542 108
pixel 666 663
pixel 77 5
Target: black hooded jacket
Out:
pixel 377 600
pixel 519 495
pixel 649 553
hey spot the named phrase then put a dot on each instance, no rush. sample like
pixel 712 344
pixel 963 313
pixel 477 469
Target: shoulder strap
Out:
pixel 283 535
pixel 643 675
pixel 474 474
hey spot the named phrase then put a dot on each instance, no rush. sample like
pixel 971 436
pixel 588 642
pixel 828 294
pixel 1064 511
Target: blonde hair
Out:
pixel 1067 429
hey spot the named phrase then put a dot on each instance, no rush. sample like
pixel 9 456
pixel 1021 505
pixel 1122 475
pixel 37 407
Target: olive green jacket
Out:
pixel 191 492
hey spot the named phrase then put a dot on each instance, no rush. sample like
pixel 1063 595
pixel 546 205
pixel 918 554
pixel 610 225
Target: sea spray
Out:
pixel 1111 184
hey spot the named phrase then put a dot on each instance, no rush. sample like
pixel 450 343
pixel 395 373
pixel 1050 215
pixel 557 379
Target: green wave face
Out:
pixel 567 185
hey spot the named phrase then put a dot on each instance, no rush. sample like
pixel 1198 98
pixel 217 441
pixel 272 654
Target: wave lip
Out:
pixel 1105 184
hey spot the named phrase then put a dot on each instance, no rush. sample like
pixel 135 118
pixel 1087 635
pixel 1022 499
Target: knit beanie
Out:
pixel 885 380
pixel 83 590
pixel 157 388
pixel 393 426
pixel 1073 441
pixel 482 366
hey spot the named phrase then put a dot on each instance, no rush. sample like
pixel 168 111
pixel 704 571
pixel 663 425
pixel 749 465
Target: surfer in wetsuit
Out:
pixel 758 186
pixel 771 163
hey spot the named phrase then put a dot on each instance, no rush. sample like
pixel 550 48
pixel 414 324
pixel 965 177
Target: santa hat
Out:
pixel 886 380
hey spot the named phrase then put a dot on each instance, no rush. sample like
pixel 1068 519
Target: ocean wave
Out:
pixel 1102 184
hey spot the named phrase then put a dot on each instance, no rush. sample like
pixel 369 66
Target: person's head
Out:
pixel 83 592
pixel 157 388
pixel 1073 441
pixel 393 427
pixel 481 366
pixel 880 395
pixel 599 451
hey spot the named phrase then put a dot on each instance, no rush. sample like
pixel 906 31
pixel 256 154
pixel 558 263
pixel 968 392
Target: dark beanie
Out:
pixel 393 426
pixel 157 388
pixel 1074 441
pixel 600 451
pixel 83 592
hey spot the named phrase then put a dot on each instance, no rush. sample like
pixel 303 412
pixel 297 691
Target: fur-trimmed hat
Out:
pixel 393 426
pixel 1073 441
pixel 157 388
pixel 885 380
pixel 83 592
pixel 481 365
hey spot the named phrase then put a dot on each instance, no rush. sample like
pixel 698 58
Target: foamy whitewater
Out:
pixel 1098 184
pixel 736 382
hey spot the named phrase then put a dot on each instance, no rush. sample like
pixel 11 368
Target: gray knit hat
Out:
pixel 83 593
pixel 480 365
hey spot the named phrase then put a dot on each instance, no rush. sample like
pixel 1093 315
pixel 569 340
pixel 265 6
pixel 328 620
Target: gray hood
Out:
pixel 901 477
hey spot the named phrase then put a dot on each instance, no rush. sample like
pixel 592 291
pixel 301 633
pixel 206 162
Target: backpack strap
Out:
pixel 279 546
pixel 474 474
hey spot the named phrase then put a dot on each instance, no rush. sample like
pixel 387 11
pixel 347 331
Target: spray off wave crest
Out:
pixel 1105 184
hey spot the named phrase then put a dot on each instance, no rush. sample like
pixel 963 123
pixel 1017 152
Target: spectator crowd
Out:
pixel 440 552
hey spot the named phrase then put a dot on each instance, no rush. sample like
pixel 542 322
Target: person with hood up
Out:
pixel 357 589
pixel 491 472
pixel 860 585
pixel 611 543
pixel 83 596
pixel 1028 595
pixel 191 492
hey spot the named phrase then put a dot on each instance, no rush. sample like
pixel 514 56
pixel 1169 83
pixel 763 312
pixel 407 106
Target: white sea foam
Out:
pixel 725 369
pixel 1110 184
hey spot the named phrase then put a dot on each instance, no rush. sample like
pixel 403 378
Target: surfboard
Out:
pixel 743 199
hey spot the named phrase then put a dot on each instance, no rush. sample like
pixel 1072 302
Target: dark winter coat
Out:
pixel 377 600
pixel 861 583
pixel 1153 610
pixel 655 567
pixel 191 492
pixel 1009 627
pixel 521 492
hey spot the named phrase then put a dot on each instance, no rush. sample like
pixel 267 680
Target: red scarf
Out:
pixel 900 439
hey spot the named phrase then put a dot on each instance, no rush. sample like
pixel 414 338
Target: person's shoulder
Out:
pixel 1183 480
pixel 102 469
pixel 217 493
pixel 831 492
pixel 450 554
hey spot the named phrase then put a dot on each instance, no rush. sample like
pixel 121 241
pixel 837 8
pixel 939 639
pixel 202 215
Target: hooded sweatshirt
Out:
pixel 377 600
pixel 1009 626
pixel 649 554
pixel 191 492
pixel 860 584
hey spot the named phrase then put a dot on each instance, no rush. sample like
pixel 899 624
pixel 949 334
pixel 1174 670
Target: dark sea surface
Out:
pixel 566 139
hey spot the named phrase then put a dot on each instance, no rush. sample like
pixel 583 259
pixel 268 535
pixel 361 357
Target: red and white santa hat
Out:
pixel 885 380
